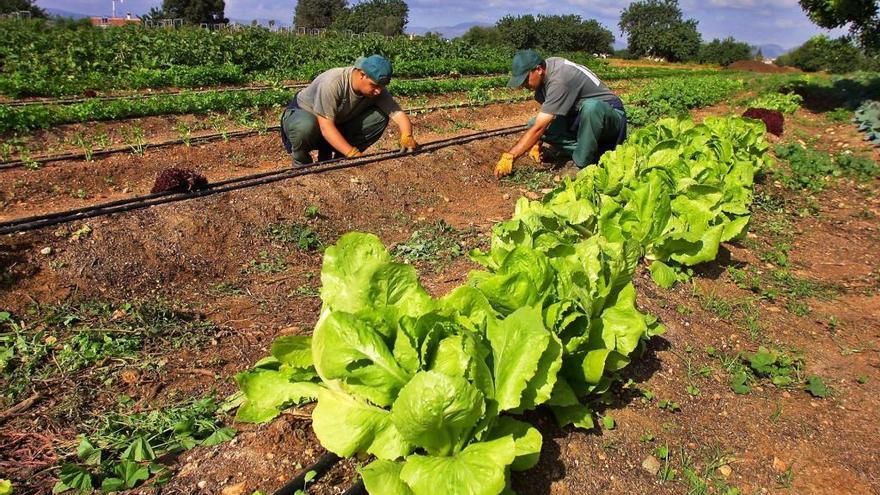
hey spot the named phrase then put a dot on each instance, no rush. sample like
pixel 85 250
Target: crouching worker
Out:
pixel 579 115
pixel 342 112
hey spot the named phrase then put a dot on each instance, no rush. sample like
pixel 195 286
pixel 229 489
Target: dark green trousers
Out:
pixel 304 134
pixel 597 127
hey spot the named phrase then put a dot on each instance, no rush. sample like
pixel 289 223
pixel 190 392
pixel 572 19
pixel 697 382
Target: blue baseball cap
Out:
pixel 524 61
pixel 376 67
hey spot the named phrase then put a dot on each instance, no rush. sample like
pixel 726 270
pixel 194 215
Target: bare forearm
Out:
pixel 401 119
pixel 333 137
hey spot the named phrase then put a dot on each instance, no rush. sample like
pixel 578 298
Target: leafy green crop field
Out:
pixel 435 388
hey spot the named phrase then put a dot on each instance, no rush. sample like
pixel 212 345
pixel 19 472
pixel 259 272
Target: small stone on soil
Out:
pixel 506 196
pixel 46 251
pixel 236 489
pixel 651 464
pixel 725 470
pixel 202 485
pixel 779 466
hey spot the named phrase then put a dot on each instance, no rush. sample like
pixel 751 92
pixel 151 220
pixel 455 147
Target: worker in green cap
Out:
pixel 579 114
pixel 342 112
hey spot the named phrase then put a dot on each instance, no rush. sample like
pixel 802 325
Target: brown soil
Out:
pixel 619 62
pixel 773 440
pixel 760 67
pixel 65 185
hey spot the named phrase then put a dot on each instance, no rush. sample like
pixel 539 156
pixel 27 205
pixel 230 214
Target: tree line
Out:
pixel 653 28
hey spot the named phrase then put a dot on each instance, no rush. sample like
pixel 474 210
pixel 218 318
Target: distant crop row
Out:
pixel 38 60
pixel 669 96
pixel 676 95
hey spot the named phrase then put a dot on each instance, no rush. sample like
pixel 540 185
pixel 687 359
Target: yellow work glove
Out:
pixel 354 153
pixel 407 143
pixel 535 153
pixel 504 165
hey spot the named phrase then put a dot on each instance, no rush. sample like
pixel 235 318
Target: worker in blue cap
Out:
pixel 343 112
pixel 579 115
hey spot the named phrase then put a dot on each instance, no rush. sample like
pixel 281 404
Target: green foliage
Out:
pixel 428 386
pixel 781 102
pixel 284 379
pixel 862 17
pixel 438 245
pixel 302 236
pixel 26 118
pixel 483 35
pixel 608 422
pixel 53 342
pixel 817 388
pixel 821 53
pixel 724 52
pixel 655 28
pixel 317 13
pixel 37 59
pixel 867 117
pixel 674 96
pixel 810 169
pixel 123 449
pixel 195 12
pixel 782 369
pixel 387 17
pixel 555 33
pixel 13 6
pixel 862 168
pixel 850 91
pixel 531 178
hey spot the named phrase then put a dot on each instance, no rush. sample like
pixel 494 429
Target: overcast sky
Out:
pixel 756 21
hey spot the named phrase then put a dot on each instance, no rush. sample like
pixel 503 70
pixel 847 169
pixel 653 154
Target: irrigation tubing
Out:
pixel 321 466
pixel 356 489
pixel 262 87
pixel 139 202
pixel 208 138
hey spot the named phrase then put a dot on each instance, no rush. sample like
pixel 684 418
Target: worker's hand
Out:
pixel 504 166
pixel 407 143
pixel 354 153
pixel 535 153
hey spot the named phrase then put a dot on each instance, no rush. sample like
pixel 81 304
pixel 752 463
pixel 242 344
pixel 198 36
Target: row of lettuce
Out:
pixel 664 96
pixel 435 388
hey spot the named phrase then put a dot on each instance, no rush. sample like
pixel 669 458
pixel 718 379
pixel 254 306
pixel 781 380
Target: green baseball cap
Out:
pixel 523 63
pixel 376 67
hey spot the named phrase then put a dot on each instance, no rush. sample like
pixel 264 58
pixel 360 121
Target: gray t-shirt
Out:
pixel 566 85
pixel 331 96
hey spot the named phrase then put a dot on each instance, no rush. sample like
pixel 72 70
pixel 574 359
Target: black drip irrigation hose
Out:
pixel 208 138
pixel 10 164
pixel 356 489
pixel 262 87
pixel 139 202
pixel 321 466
